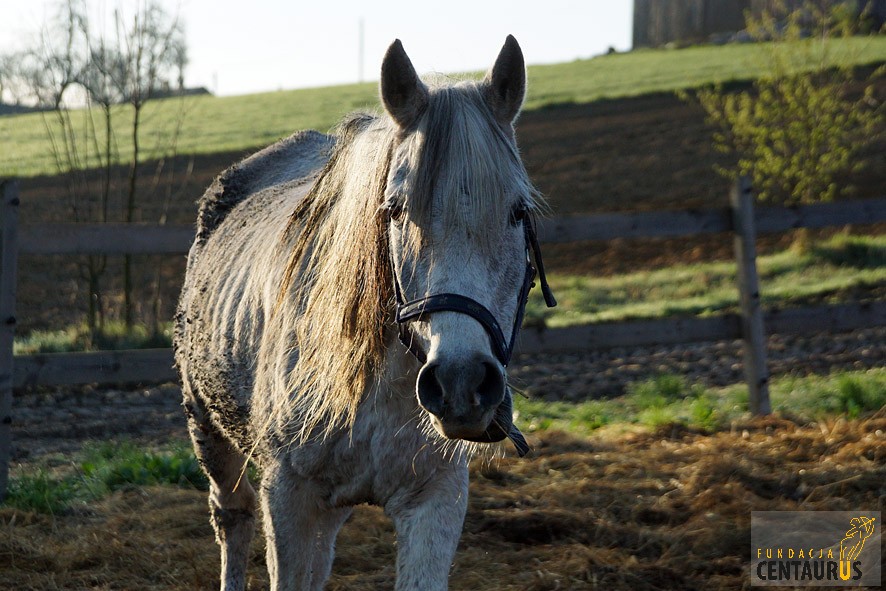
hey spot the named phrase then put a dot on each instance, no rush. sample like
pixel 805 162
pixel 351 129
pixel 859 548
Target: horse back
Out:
pixel 297 157
pixel 233 269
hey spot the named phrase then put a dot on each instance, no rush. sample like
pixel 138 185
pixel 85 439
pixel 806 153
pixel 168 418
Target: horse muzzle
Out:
pixel 462 395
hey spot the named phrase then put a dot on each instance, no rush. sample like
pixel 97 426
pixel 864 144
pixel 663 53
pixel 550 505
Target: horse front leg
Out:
pixel 299 530
pixel 429 521
pixel 231 497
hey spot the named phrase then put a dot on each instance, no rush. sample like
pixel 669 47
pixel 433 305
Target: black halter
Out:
pixel 502 346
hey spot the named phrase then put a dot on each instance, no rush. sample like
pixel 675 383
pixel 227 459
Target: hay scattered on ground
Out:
pixel 663 510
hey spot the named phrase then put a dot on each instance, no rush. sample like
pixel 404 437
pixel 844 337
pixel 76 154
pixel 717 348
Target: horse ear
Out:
pixel 506 82
pixel 403 94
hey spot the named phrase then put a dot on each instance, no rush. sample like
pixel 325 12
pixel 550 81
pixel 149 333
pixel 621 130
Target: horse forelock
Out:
pixel 462 165
pixel 337 287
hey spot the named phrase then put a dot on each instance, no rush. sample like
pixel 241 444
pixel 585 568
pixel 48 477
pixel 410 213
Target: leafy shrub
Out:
pixel 797 131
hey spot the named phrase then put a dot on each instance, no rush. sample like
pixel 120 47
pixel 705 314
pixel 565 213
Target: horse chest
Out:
pixel 375 462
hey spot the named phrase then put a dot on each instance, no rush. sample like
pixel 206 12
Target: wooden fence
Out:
pixel 741 219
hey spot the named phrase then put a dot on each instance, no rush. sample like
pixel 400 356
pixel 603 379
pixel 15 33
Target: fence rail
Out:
pixel 110 239
pixel 669 224
pixel 120 238
pixel 144 365
pixel 59 369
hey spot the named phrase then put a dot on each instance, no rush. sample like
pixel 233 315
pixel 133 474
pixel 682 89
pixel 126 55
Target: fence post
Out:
pixel 8 271
pixel 741 200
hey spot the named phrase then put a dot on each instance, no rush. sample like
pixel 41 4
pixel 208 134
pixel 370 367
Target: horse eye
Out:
pixel 518 214
pixel 395 211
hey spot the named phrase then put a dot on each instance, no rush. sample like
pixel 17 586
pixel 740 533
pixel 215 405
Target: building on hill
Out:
pixel 658 22
pixel 14 109
pixel 166 92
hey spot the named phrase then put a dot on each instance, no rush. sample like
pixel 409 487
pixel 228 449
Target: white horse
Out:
pixel 310 257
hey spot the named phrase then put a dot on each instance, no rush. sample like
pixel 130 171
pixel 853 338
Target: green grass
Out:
pixel 789 277
pixel 213 124
pixel 110 466
pixel 40 492
pixel 663 400
pixel 851 394
pixel 100 469
pixel 114 336
pixel 669 399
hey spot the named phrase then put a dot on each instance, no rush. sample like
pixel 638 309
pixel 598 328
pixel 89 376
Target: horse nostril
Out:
pixel 492 387
pixel 430 391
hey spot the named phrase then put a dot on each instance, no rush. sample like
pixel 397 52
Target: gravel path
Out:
pixel 58 422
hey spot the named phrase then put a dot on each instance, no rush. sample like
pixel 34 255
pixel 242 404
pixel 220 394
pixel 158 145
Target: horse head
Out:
pixel 460 208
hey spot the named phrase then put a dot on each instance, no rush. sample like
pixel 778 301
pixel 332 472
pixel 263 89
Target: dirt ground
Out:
pixel 663 510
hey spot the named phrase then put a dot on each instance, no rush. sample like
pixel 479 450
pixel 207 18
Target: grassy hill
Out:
pixel 218 124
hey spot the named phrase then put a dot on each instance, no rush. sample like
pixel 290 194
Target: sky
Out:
pixel 246 46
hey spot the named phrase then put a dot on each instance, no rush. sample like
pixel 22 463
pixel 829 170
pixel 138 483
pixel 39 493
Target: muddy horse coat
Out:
pixel 348 312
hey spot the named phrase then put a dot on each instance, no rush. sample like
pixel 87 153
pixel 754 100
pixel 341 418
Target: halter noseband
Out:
pixel 452 302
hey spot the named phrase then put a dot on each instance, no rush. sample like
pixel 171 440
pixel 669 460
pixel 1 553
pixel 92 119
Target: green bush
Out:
pixel 797 132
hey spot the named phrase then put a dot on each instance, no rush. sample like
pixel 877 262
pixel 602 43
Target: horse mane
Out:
pixel 337 288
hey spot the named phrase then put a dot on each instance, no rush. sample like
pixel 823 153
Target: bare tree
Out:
pixel 45 75
pixel 99 79
pixel 153 47
pixel 6 77
pixel 144 52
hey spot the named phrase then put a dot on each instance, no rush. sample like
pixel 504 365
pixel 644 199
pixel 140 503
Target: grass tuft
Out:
pixel 39 492
pixel 114 336
pixel 111 466
pixel 671 400
pixel 855 396
pixel 101 469
pixel 667 399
